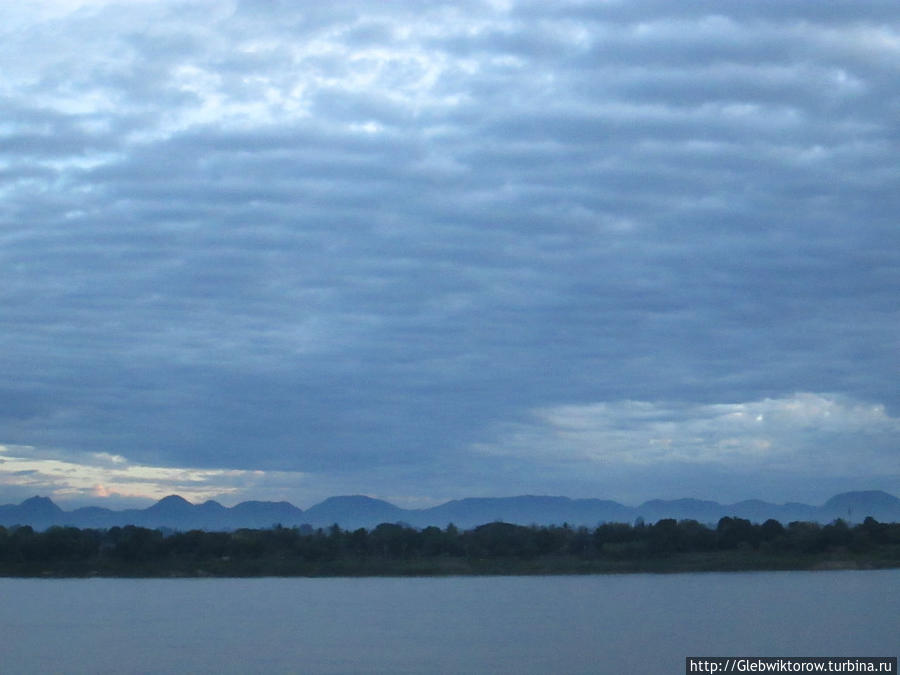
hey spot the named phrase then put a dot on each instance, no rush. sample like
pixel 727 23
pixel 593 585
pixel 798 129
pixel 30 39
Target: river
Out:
pixel 634 623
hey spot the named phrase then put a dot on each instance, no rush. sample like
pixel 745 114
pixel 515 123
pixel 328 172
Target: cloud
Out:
pixel 104 476
pixel 355 240
pixel 806 434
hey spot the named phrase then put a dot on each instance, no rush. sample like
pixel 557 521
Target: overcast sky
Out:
pixel 423 250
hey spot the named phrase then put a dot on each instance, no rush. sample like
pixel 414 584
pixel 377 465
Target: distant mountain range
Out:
pixel 353 512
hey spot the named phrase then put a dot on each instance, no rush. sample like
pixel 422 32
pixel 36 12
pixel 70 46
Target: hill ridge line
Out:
pixel 354 511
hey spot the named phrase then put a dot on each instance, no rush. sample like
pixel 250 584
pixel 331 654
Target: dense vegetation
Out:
pixel 495 548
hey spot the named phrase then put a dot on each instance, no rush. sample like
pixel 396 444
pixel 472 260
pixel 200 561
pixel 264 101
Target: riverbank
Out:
pixel 448 567
pixel 492 549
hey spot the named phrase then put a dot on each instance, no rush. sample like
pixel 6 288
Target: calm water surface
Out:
pixel 577 624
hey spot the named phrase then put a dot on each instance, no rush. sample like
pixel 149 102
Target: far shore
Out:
pixel 733 545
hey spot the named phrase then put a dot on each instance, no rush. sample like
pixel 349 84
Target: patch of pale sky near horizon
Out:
pixel 100 475
pixel 802 433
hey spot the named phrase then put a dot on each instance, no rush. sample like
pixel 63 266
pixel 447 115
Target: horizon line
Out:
pixel 384 501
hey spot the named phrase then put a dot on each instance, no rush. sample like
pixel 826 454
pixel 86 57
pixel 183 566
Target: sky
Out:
pixel 425 251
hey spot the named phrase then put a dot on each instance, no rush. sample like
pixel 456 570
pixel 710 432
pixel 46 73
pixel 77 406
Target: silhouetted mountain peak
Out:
pixel 857 505
pixel 353 511
pixel 171 503
pixel 863 498
pixel 40 506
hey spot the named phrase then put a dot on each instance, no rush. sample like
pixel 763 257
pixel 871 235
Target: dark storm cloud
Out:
pixel 373 240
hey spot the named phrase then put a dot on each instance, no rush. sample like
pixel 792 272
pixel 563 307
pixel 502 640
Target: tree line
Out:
pixel 493 548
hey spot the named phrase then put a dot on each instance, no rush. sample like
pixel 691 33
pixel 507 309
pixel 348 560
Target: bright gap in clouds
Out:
pixel 820 435
pixel 99 477
pixel 805 433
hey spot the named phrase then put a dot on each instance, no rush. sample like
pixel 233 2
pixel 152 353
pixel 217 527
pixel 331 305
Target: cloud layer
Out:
pixel 363 242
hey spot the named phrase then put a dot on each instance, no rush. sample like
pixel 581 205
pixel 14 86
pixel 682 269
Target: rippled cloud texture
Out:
pixel 429 250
